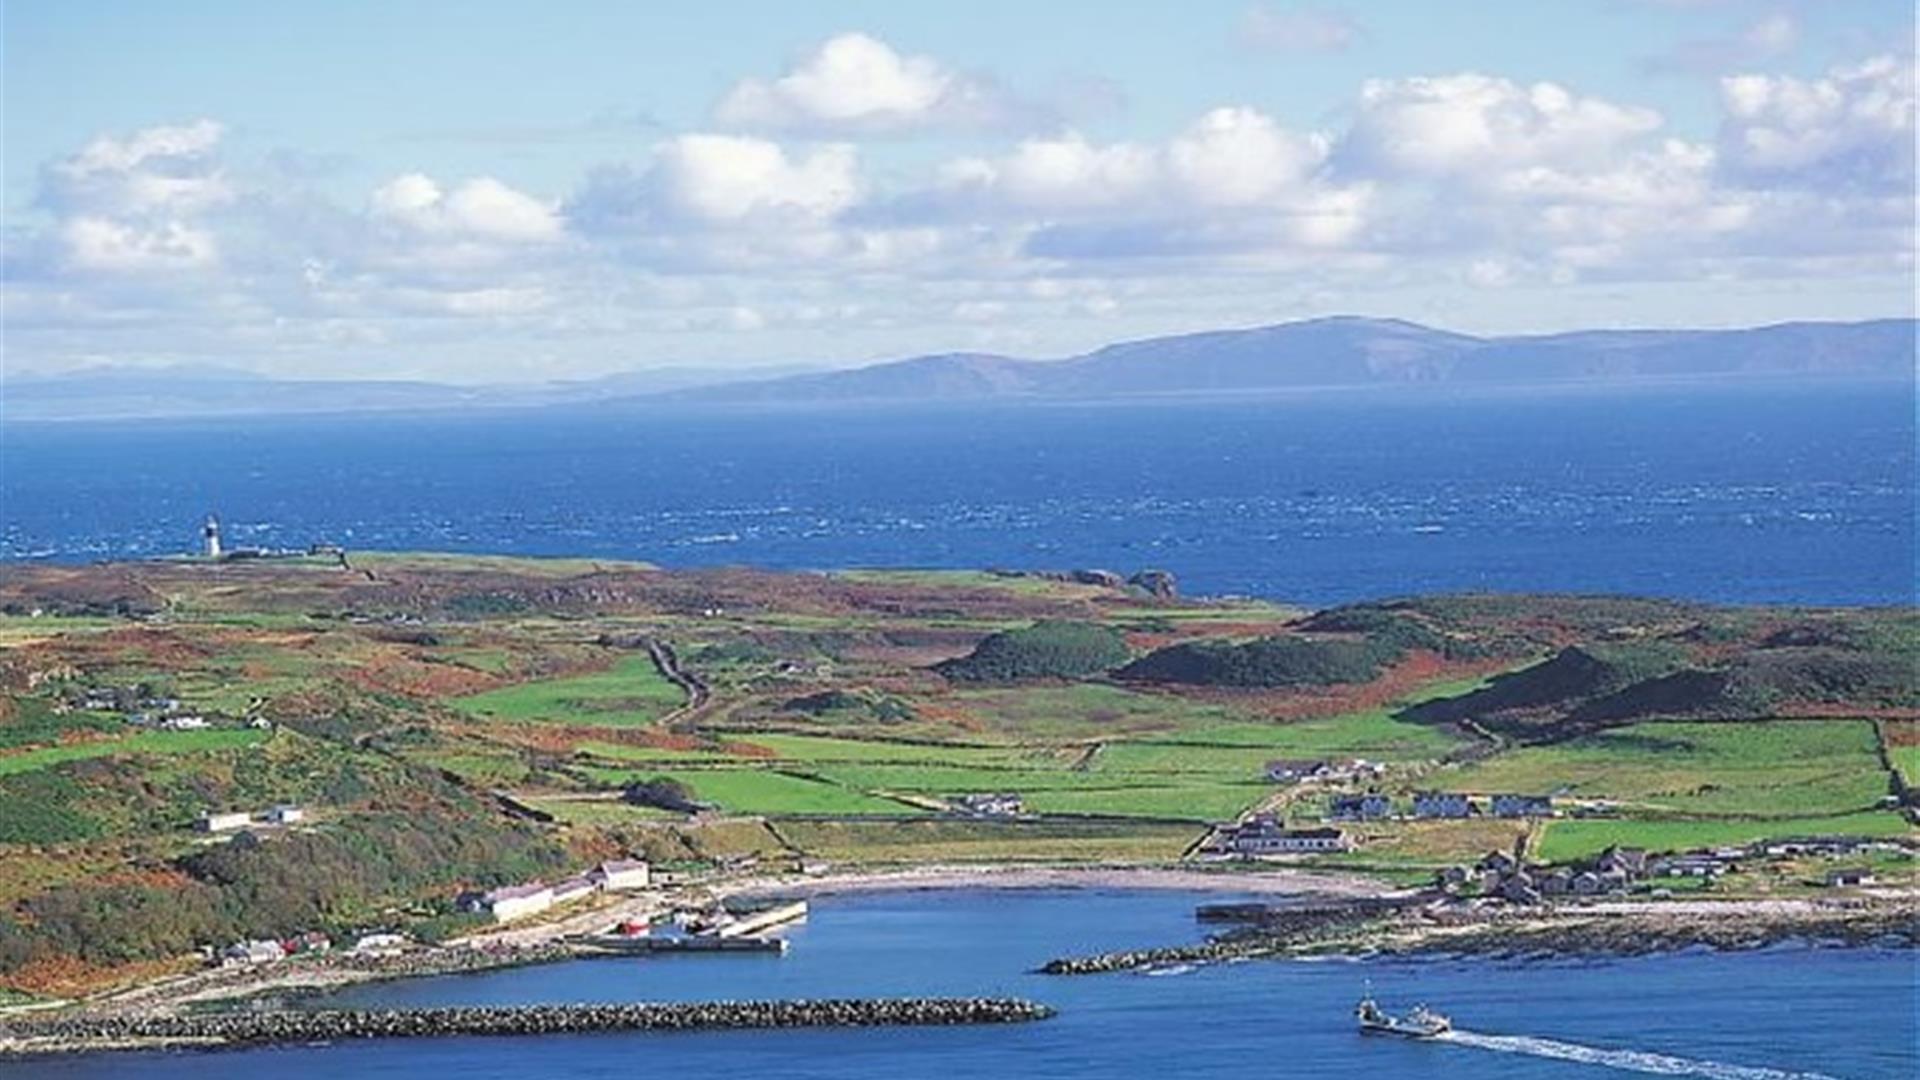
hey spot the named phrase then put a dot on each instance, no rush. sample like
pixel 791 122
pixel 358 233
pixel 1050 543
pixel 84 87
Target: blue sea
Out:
pixel 1769 1015
pixel 1770 492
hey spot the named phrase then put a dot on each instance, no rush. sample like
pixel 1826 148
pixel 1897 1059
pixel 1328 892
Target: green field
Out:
pixel 1569 840
pixel 145 742
pixel 764 791
pixel 1084 711
pixel 630 693
pixel 623 752
pixel 1373 733
pixel 1785 768
pixel 486 769
pixel 821 748
pixel 1185 802
pixel 1907 760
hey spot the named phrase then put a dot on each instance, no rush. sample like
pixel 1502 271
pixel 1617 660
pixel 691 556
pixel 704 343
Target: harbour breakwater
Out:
pixel 1277 930
pixel 253 1028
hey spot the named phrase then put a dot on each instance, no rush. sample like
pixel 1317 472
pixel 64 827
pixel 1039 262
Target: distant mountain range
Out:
pixel 1355 352
pixel 1330 352
pixel 125 392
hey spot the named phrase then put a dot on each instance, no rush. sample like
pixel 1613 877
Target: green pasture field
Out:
pixel 1907 760
pixel 478 767
pixel 1782 768
pixel 630 693
pixel 1568 840
pixel 1187 802
pixel 1372 734
pixel 764 791
pixel 821 748
pixel 623 752
pixel 1084 711
pixel 144 742
pixel 959 779
pixel 601 813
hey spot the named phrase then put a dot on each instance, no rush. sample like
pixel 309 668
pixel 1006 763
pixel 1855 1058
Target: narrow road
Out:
pixel 668 663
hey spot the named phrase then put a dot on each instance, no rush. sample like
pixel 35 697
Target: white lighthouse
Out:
pixel 211 532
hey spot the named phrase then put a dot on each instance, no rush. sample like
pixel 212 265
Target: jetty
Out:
pixel 648 944
pixel 257 1028
pixel 755 922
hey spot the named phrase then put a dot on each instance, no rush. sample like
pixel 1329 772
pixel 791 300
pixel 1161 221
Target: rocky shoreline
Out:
pixel 1505 935
pixel 254 1028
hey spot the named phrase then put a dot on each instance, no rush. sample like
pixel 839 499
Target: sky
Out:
pixel 495 191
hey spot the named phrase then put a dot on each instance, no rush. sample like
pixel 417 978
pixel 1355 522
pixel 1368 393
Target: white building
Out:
pixel 252 952
pixel 1265 835
pixel 378 945
pixel 575 888
pixel 512 901
pixel 184 723
pixel 621 875
pixel 286 814
pixel 212 823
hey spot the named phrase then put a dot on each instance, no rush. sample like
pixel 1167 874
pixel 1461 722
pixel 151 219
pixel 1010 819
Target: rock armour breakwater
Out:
pixel 300 1026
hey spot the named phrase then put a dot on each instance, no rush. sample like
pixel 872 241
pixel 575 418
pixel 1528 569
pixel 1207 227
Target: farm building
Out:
pixel 1629 861
pixel 242 953
pixel 990 804
pixel 381 944
pixel 1264 834
pixel 575 888
pixel 1698 864
pixel 1372 806
pixel 1441 804
pixel 285 814
pixel 619 875
pixel 1296 770
pixel 212 823
pixel 510 902
pixel 1851 876
pixel 1522 806
pixel 1829 846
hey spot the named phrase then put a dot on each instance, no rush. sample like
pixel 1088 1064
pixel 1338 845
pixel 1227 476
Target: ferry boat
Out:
pixel 1421 1023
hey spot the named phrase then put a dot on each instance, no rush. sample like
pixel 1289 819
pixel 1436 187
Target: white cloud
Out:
pixel 1240 157
pixel 154 169
pixel 1297 29
pixel 131 204
pixel 481 208
pixel 721 178
pixel 1852 128
pixel 1472 125
pixel 1233 156
pixel 94 243
pixel 1464 184
pixel 857 84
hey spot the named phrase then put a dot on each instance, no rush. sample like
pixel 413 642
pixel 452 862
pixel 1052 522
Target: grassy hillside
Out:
pixel 396 701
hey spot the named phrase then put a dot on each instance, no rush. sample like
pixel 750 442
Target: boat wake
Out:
pixel 1640 1061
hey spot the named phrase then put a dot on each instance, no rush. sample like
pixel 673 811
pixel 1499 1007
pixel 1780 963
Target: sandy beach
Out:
pixel 1265 882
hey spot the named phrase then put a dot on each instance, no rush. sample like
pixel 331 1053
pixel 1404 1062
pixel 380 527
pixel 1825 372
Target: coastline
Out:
pixel 519 945
pixel 1265 882
pixel 1342 915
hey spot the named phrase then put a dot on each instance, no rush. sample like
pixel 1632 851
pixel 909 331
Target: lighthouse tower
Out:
pixel 211 531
